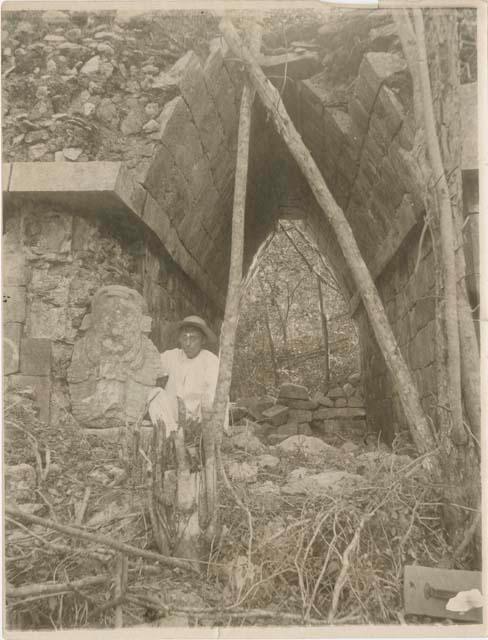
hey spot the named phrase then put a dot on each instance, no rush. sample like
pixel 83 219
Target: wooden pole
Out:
pixel 325 332
pixel 447 238
pixel 232 303
pixel 408 394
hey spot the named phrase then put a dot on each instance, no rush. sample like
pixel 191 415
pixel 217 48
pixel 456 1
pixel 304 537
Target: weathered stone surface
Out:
pixel 309 405
pixel 326 483
pixel 274 439
pixel 248 442
pixel 288 429
pixel 115 365
pixel 293 391
pixel 340 402
pixel 276 415
pixel 14 272
pixel 242 472
pixel 11 347
pixel 308 445
pixel 355 401
pixel 354 378
pixel 323 400
pixel 134 121
pixel 41 386
pixel 348 389
pixel 266 495
pixel 20 482
pixel 300 415
pixel 92 66
pixel 338 413
pixel 305 429
pixel 267 461
pixel 13 304
pixel 336 392
pixel 35 357
pixel 350 447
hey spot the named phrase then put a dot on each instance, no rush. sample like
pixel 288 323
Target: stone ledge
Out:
pixel 102 187
pixel 89 186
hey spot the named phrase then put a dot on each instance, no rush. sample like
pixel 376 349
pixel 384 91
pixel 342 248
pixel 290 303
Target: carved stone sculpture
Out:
pixel 114 364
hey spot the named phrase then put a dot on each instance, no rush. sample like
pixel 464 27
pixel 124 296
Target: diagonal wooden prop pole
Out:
pixel 407 392
pixel 232 303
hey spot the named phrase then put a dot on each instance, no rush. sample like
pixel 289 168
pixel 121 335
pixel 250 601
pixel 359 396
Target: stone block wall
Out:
pixel 407 291
pixel 53 262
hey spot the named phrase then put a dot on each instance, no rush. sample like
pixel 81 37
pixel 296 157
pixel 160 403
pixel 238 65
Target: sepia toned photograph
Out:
pixel 241 319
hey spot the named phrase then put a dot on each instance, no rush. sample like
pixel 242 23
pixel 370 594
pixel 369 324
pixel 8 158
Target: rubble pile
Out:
pixel 295 412
pixel 82 86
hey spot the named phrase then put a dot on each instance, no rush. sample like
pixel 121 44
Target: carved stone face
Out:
pixel 114 365
pixel 117 324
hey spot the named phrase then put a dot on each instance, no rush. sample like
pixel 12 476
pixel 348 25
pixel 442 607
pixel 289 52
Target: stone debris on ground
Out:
pixel 296 412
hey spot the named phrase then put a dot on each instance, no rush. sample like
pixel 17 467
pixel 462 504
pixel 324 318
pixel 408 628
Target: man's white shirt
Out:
pixel 194 380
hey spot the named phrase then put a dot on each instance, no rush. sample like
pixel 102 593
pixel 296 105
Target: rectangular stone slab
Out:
pixel 338 413
pixel 276 415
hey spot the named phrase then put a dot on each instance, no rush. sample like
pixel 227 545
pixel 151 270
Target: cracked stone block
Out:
pixel 11 347
pixel 14 304
pixel 41 385
pixel 35 356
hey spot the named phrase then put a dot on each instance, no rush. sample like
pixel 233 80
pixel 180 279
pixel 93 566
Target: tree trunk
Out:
pixel 325 332
pixel 408 394
pixel 215 423
pixel 439 92
pixel 447 239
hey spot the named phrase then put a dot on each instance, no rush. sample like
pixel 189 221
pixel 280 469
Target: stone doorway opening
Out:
pixel 296 337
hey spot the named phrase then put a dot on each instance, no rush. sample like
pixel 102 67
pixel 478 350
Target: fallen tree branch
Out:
pixel 101 540
pixel 49 588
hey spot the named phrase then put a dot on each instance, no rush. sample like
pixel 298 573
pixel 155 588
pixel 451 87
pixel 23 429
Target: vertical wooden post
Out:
pixel 231 314
pixel 325 332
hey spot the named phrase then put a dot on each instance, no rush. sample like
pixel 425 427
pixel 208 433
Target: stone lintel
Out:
pixel 84 186
pixel 99 188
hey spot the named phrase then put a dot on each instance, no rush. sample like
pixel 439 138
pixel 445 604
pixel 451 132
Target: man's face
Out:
pixel 191 341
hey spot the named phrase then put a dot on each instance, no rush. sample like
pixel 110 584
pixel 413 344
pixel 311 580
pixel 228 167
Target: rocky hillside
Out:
pixel 90 86
pixel 81 86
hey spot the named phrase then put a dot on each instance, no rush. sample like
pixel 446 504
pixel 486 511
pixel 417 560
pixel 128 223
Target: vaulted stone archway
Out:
pixel 163 226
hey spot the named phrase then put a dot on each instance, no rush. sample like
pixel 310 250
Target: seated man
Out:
pixel 192 376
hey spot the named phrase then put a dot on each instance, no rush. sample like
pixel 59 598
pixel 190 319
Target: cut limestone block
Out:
pixel 310 405
pixel 300 415
pixel 276 415
pixel 334 413
pixel 293 391
pixel 355 402
pixel 336 392
pixel 35 356
pixel 340 402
